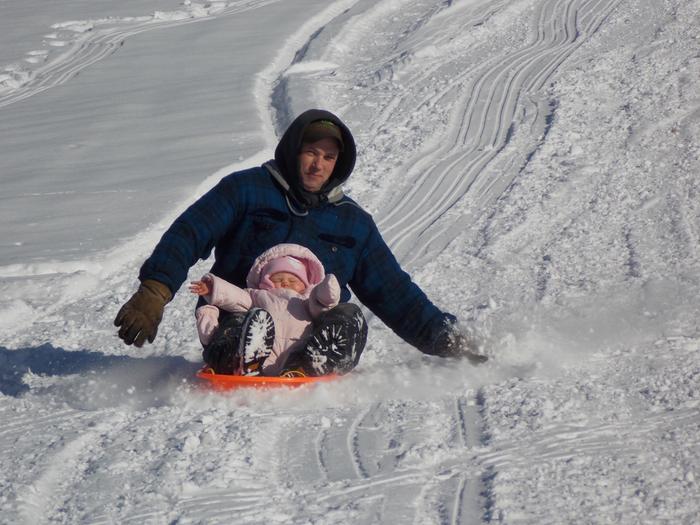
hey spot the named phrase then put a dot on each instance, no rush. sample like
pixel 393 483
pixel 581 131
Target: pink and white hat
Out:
pixel 312 272
pixel 286 263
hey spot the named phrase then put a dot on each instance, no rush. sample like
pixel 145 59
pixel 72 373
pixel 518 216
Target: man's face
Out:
pixel 316 163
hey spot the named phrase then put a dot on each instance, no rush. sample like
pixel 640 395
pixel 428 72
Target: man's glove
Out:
pixel 140 316
pixel 453 342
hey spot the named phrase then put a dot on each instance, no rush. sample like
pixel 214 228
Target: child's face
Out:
pixel 287 280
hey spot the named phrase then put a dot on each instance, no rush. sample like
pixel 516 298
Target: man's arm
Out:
pixel 191 237
pixel 387 290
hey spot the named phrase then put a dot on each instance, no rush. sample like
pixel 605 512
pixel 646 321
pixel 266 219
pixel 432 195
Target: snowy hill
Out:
pixel 534 164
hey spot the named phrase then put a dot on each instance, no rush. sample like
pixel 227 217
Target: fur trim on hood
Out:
pixel 314 267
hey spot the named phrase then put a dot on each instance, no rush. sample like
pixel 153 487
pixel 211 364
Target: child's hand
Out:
pixel 199 287
pixel 327 292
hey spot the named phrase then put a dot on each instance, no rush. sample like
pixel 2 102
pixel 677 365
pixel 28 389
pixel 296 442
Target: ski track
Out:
pixel 98 43
pixel 566 442
pixel 480 129
pixel 358 457
pixel 64 459
pixel 63 470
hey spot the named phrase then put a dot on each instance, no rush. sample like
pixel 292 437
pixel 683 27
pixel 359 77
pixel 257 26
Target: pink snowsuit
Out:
pixel 292 312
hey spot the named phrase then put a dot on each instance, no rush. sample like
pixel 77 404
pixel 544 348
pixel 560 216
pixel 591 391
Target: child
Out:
pixel 287 289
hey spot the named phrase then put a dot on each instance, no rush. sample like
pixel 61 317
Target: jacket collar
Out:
pixel 302 198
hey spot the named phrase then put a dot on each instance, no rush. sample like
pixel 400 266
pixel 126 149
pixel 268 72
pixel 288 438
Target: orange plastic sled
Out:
pixel 225 382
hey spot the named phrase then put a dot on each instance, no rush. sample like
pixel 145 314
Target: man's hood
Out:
pixel 287 154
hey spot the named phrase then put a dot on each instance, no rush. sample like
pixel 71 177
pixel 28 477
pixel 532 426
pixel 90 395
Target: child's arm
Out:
pixel 324 296
pixel 225 295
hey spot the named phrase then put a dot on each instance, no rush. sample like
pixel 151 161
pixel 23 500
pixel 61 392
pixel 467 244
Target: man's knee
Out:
pixel 338 339
pixel 343 311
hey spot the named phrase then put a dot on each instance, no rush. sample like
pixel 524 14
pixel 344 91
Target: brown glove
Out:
pixel 140 316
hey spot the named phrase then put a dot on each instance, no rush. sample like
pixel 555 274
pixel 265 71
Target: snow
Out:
pixel 534 164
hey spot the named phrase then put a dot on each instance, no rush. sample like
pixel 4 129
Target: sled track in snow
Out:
pixel 65 468
pixel 64 461
pixel 364 458
pixel 562 442
pixel 92 46
pixel 390 110
pixel 482 122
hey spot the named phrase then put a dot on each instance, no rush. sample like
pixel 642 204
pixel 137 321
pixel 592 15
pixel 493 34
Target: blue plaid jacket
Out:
pixel 248 212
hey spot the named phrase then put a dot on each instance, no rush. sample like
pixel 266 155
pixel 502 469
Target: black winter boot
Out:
pixel 335 345
pixel 222 351
pixel 257 336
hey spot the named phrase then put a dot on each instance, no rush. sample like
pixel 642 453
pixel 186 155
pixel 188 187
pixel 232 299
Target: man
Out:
pixel 296 198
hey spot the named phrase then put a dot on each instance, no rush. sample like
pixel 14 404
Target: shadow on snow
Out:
pixel 112 371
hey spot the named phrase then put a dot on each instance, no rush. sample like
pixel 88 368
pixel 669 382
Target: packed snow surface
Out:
pixel 533 163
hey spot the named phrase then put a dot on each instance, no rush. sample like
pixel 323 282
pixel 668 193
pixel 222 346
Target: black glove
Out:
pixel 452 342
pixel 140 316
